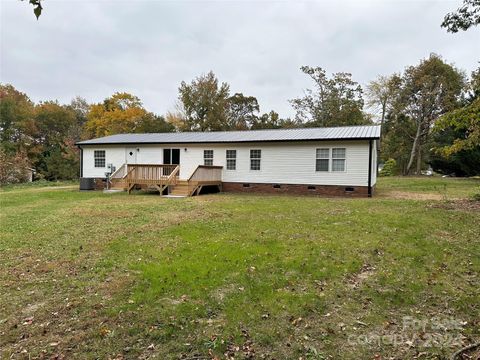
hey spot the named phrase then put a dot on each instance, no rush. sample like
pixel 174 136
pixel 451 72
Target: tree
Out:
pixel 466 16
pixel 16 118
pixel 466 123
pixel 55 155
pixel 333 102
pixel 14 168
pixel 243 111
pixel 463 161
pixel 205 103
pixel 456 147
pixel 53 122
pixel 62 163
pixel 382 94
pixel 430 89
pixel 397 138
pixel 152 123
pixel 269 120
pixel 120 113
pixel 80 107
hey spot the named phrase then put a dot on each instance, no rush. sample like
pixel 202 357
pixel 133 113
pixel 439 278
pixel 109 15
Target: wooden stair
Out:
pixel 162 176
pixel 118 184
pixel 182 188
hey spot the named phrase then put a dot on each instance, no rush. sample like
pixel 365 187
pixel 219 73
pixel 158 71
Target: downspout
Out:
pixel 81 162
pixel 370 157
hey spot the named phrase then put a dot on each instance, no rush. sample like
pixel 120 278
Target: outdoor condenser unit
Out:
pixel 87 183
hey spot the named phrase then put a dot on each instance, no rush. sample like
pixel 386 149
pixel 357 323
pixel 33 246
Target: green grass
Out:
pixel 446 187
pixel 89 275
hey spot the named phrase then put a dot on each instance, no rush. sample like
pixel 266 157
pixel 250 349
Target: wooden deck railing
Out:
pixel 160 176
pixel 120 173
pixel 117 178
pixel 207 173
pixel 204 175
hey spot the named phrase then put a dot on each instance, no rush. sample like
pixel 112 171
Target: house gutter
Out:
pixel 169 143
pixel 370 158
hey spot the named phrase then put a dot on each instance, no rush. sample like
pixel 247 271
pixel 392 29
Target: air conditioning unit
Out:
pixel 87 184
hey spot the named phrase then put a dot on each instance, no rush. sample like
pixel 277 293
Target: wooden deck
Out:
pixel 165 176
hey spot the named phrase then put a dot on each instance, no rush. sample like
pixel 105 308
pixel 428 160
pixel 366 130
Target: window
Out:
pixel 338 159
pixel 323 158
pixel 231 159
pixel 208 157
pixel 99 158
pixel 255 157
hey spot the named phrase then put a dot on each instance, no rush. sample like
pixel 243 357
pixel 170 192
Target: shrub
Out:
pixel 389 168
pixel 14 168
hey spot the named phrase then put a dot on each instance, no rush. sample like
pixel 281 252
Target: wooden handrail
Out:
pixel 115 173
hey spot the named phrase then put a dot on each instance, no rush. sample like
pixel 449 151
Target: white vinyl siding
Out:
pixel 281 162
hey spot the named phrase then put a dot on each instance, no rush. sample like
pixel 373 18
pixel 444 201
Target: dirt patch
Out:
pixel 221 293
pixel 32 308
pixel 357 279
pixel 41 189
pixel 464 205
pixel 406 195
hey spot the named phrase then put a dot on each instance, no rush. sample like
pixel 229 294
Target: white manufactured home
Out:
pixel 328 161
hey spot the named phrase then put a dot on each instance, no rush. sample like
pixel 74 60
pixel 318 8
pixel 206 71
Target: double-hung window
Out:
pixel 331 159
pixel 208 157
pixel 99 158
pixel 255 158
pixel 231 159
pixel 338 159
pixel 323 159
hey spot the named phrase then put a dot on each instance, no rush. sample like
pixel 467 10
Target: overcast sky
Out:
pixel 95 48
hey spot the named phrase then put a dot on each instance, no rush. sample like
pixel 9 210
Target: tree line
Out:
pixel 429 113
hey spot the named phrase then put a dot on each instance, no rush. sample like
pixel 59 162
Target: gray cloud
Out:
pixel 94 48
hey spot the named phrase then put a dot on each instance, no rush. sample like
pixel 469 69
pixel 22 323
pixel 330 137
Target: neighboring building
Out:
pixel 329 161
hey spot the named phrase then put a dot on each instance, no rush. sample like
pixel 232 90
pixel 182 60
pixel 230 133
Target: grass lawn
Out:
pixel 89 275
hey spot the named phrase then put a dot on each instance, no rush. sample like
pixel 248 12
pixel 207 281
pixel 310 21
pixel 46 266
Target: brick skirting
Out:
pixel 303 189
pixel 100 183
pixel 298 189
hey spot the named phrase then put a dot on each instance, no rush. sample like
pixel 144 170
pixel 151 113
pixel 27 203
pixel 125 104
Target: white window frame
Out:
pixel 95 158
pixel 208 160
pixel 344 158
pixel 254 159
pixel 322 158
pixel 231 159
pixel 330 158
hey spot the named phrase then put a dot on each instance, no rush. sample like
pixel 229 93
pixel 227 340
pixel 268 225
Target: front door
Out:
pixel 131 155
pixel 171 156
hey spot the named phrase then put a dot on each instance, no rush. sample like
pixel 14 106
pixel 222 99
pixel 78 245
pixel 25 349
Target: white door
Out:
pixel 131 155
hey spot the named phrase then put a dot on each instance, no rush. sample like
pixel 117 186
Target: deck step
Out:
pixel 179 193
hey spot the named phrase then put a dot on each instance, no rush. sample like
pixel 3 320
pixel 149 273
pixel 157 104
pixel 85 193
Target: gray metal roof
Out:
pixel 302 134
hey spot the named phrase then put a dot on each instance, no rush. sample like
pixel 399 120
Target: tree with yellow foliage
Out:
pixel 122 113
